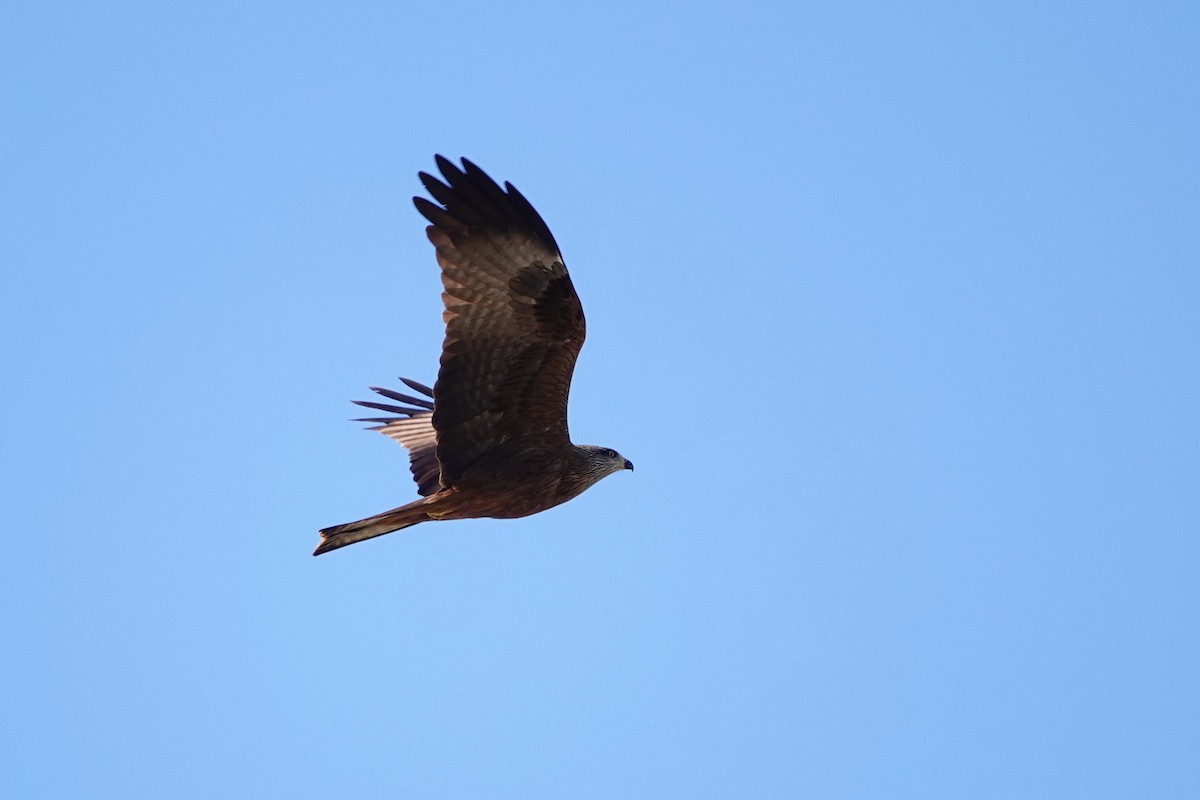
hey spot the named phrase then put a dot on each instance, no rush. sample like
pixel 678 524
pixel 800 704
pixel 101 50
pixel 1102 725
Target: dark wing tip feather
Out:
pixel 496 195
pixel 402 398
pixel 456 201
pixel 532 217
pixel 427 180
pixel 417 387
pixel 413 406
pixel 446 166
pixel 469 196
pixel 408 412
pixel 436 215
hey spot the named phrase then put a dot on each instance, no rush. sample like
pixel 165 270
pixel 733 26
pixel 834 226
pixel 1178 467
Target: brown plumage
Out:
pixel 490 438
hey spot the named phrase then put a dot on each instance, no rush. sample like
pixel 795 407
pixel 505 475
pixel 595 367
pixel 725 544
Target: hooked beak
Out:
pixel 629 465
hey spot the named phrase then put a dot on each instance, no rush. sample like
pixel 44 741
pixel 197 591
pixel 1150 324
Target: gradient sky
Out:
pixel 894 306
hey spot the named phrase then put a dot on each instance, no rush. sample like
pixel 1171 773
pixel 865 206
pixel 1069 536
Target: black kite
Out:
pixel 492 439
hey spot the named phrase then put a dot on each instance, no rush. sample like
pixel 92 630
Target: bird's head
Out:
pixel 602 461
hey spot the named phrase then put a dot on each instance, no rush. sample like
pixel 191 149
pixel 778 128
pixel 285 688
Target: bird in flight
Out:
pixel 490 438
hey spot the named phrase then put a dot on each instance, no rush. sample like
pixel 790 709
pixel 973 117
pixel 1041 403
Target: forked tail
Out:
pixel 341 535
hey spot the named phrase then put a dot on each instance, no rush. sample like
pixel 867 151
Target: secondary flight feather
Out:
pixel 490 438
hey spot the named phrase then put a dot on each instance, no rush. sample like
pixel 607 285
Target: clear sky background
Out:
pixel 894 307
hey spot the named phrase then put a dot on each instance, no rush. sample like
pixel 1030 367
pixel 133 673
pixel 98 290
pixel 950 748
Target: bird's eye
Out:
pixel 610 453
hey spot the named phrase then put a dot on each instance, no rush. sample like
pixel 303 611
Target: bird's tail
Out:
pixel 341 535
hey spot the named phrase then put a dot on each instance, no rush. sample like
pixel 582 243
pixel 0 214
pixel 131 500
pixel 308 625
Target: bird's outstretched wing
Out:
pixel 413 428
pixel 514 324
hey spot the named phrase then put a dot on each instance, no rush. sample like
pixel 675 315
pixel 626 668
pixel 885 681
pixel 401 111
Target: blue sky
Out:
pixel 894 306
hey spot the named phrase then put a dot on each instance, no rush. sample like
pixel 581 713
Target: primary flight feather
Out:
pixel 490 438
